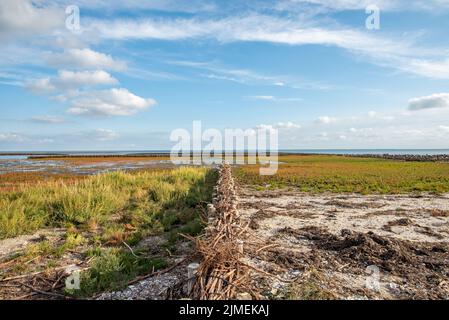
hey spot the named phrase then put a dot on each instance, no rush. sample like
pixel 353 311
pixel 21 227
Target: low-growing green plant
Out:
pixel 112 269
pixel 339 174
pixel 135 199
pixel 104 217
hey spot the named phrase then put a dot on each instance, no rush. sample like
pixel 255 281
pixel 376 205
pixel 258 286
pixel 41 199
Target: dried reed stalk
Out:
pixel 221 274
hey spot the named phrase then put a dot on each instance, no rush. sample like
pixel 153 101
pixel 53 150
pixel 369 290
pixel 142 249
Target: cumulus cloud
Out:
pixel 85 78
pixel 28 18
pixel 76 87
pixel 326 120
pixel 84 58
pixel 437 100
pixel 38 86
pixel 111 102
pixel 71 80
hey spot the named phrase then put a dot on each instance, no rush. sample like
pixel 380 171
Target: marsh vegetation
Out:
pixel 102 218
pixel 341 174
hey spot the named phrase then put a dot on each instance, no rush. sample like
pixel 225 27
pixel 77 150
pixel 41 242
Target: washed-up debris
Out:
pixel 221 273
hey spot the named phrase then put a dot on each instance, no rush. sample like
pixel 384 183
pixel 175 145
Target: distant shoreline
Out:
pixel 431 155
pixel 165 153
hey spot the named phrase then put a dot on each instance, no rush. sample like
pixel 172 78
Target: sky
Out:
pixel 133 71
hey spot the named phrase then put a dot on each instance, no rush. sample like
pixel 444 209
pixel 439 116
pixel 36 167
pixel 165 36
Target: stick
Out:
pixel 53 294
pixel 157 273
pixel 130 249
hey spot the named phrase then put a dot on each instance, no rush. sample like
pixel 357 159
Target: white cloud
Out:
pixel 246 76
pixel 267 127
pixel 191 6
pixel 105 135
pixel 48 119
pixel 437 100
pixel 269 98
pixel 326 120
pixel 11 137
pixel 384 5
pixel 380 116
pixel 279 126
pixel 28 18
pixel 438 69
pixel 273 98
pixel 84 58
pixel 398 52
pixel 444 128
pixel 254 27
pixel 112 102
pixel 85 78
pixel 287 125
pixel 43 85
pixel 71 81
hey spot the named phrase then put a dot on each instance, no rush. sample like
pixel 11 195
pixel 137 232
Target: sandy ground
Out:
pixel 349 246
pixel 11 246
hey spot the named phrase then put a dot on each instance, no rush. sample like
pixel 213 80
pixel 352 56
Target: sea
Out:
pixel 19 155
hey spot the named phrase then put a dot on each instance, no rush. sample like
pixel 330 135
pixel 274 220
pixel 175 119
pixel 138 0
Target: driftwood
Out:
pixel 221 274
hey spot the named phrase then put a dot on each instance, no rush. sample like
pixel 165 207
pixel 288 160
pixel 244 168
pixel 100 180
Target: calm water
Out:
pixel 23 155
pixel 21 163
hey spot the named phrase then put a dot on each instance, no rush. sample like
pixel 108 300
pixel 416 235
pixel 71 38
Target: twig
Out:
pixel 52 294
pixel 267 246
pixel 267 273
pixel 157 273
pixel 130 249
pixel 44 271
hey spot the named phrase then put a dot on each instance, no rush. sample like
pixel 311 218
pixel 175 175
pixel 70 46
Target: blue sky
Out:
pixel 136 70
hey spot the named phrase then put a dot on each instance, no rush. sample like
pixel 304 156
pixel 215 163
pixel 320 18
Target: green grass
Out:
pixel 112 269
pixel 138 200
pixel 322 173
pixel 101 213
